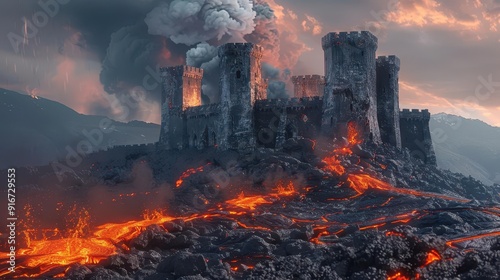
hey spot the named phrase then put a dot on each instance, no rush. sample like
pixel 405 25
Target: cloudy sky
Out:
pixel 93 55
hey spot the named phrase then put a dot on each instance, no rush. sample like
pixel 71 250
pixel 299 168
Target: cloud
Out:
pixel 193 21
pixel 131 59
pixel 415 96
pixel 312 24
pixel 429 12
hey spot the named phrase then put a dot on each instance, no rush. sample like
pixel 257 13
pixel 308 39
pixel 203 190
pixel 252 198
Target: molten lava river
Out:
pixel 51 252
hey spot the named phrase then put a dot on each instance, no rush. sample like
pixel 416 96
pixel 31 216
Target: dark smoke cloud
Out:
pixel 276 81
pixel 131 52
pixel 97 20
pixel 193 21
pixel 205 56
pixel 115 34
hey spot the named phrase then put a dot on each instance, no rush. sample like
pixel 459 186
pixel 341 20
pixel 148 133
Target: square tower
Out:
pixel 181 86
pixel 416 135
pixel 241 84
pixel 388 99
pixel 350 63
pixel 181 89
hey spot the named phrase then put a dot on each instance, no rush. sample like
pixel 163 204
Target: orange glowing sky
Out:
pixel 448 49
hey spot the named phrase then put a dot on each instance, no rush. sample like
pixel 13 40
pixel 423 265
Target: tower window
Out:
pixel 238 74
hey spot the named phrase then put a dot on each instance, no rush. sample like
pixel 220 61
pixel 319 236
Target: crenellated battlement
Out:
pixel 182 70
pixel 308 78
pixel 239 49
pixel 415 114
pixel 389 60
pixel 360 39
pixel 357 88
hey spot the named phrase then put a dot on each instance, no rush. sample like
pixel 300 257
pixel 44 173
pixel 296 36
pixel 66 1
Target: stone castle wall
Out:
pixel 416 135
pixel 358 90
pixel 308 86
pixel 277 120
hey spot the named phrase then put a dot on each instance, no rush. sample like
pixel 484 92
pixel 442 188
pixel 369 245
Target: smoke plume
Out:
pixel 205 56
pixel 193 21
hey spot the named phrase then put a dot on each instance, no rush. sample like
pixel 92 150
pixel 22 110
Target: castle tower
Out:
pixel 241 85
pixel 181 88
pixel 350 64
pixel 388 99
pixel 416 135
pixel 308 86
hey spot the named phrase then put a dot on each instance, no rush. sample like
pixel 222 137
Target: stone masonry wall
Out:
pixel 388 99
pixel 350 63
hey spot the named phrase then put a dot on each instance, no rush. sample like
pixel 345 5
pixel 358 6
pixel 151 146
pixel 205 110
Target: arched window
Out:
pixel 238 74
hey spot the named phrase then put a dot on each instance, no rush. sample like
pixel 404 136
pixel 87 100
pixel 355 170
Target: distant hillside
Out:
pixel 470 147
pixel 36 131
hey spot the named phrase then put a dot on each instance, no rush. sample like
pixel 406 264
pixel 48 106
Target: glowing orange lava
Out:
pixel 398 276
pixel 432 256
pixel 188 173
pixel 248 202
pixel 333 165
pixel 473 237
pixel 353 134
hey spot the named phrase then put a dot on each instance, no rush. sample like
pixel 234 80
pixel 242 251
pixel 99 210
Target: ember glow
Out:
pixel 432 257
pixel 188 173
pixel 353 134
pixel 398 276
pixel 248 202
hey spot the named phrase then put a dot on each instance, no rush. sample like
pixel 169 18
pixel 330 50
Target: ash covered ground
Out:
pixel 343 211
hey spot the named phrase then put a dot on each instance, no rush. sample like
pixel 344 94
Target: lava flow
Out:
pixel 188 173
pixel 108 239
pixel 86 245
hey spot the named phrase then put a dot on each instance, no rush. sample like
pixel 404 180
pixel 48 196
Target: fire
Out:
pixel 191 99
pixel 287 190
pixel 353 134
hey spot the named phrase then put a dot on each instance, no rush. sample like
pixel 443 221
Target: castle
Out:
pixel 359 91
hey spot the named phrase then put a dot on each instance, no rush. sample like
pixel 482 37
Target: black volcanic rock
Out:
pixel 78 272
pixel 153 236
pixel 325 230
pixel 183 264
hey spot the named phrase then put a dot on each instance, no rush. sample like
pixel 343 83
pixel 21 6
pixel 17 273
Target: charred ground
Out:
pixel 310 211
